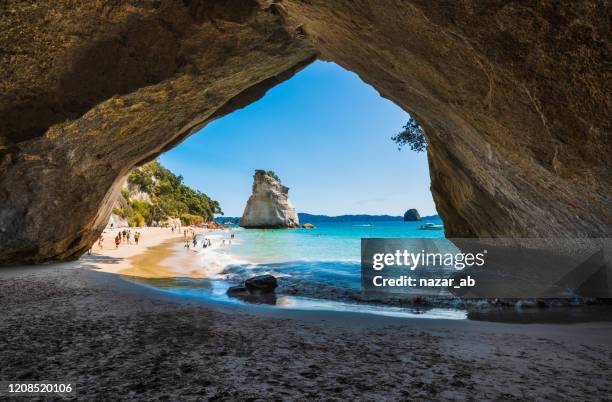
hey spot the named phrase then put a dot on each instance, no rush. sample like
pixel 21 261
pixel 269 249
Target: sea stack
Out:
pixel 412 215
pixel 269 206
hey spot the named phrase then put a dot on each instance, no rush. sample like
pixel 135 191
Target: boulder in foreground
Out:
pixel 258 289
pixel 261 284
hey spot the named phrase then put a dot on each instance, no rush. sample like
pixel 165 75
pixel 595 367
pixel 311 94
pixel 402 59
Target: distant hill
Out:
pixel 310 218
pixel 227 219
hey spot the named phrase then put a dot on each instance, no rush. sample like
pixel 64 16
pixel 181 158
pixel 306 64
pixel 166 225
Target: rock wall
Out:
pixel 515 100
pixel 268 206
pixel 115 221
pixel 136 192
pixel 90 90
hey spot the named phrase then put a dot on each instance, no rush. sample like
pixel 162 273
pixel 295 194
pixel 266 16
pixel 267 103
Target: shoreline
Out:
pixel 160 257
pixel 116 339
pixel 136 260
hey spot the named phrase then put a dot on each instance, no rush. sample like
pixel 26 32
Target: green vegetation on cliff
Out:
pixel 169 198
pixel 411 135
pixel 269 173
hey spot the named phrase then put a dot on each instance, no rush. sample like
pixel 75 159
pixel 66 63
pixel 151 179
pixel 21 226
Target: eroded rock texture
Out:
pixel 92 89
pixel 515 99
pixel 269 207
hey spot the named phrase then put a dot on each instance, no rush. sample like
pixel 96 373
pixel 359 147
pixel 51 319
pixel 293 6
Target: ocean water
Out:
pixel 317 269
pixel 320 263
pixel 328 242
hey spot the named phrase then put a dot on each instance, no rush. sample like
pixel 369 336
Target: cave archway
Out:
pixel 514 100
pixel 326 134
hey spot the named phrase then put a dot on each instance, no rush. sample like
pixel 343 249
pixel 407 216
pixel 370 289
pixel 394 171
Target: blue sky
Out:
pixel 326 134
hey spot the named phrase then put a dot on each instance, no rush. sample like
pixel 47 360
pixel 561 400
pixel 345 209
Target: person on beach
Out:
pixel 136 237
pixel 204 243
pixel 100 241
pixel 195 242
pixel 129 233
pixel 117 241
pixel 186 246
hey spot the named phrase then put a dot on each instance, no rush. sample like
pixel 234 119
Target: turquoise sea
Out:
pixel 323 262
pixel 317 269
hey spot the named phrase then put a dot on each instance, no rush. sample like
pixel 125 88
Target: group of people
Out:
pixel 206 242
pixel 125 236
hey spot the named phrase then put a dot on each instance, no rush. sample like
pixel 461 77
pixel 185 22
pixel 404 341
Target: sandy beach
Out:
pixel 115 339
pixel 131 259
pixel 153 257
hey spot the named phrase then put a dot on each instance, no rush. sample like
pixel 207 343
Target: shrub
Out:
pixel 125 193
pixel 412 135
pixel 191 220
pixel 121 212
pixel 270 173
pixel 143 208
pixel 137 220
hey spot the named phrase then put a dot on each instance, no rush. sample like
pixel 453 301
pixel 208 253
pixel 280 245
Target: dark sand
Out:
pixel 121 341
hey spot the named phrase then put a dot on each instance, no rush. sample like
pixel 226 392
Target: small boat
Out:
pixel 431 226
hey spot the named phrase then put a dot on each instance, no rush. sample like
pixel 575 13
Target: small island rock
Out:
pixel 269 206
pixel 412 215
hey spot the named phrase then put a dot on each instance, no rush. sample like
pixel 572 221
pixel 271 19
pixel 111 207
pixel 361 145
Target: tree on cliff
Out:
pixel 169 197
pixel 412 135
pixel 270 173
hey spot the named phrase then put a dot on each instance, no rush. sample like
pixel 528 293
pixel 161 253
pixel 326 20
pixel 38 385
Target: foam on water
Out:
pixel 319 269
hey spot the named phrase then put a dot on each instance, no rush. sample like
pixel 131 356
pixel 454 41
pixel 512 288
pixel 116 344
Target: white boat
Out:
pixel 431 226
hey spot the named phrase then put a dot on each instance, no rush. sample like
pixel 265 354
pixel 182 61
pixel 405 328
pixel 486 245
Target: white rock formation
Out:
pixel 136 192
pixel 115 221
pixel 269 206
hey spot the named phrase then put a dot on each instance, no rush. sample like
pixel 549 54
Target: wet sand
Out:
pixel 122 341
pixel 153 257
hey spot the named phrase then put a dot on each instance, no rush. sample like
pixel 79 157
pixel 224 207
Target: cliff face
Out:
pixel 269 206
pixel 514 98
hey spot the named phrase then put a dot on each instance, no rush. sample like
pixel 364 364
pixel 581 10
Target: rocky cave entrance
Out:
pixel 326 134
pixel 513 99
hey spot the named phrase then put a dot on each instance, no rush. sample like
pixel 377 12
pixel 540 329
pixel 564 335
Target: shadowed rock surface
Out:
pixel 269 207
pixel 514 98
